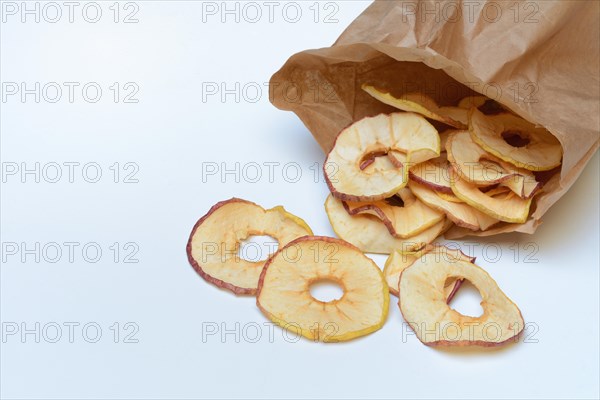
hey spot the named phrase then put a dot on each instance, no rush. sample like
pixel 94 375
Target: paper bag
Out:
pixel 539 59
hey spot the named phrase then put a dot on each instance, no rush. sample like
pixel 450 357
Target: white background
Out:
pixel 171 54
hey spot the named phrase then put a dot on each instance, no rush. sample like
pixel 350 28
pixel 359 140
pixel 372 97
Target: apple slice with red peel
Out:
pixel 399 260
pixel 214 243
pixel 472 162
pixel 461 214
pixel 506 207
pixel 403 214
pixel 400 159
pixel 515 140
pixel 402 136
pixel 421 104
pixel 284 295
pixel 434 174
pixel 477 166
pixel 369 234
pixel 423 303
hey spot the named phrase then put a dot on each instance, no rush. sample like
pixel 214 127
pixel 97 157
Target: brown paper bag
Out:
pixel 540 59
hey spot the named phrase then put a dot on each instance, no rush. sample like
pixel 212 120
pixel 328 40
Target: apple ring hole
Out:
pixel 395 201
pixel 370 157
pixel 515 138
pixel 326 290
pixel 491 107
pixel 467 300
pixel 257 248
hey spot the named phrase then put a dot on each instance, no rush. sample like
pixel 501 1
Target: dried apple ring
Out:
pixel 421 104
pixel 403 214
pixel 458 212
pixel 284 290
pixel 515 140
pixel 423 303
pixel 477 166
pixel 370 235
pixel 403 137
pixel 500 203
pixel 213 246
pixel 399 260
pixel 434 174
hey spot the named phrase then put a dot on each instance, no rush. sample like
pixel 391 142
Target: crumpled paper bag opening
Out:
pixel 544 69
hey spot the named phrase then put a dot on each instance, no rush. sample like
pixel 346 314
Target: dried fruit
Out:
pixel 399 260
pixel 448 197
pixel 472 101
pixel 213 246
pixel 402 137
pixel 423 303
pixel 483 104
pixel 284 295
pixel 460 213
pixel 444 140
pixel 503 205
pixel 477 166
pixel 421 104
pixel 403 214
pixel 515 140
pixel 434 174
pixel 370 235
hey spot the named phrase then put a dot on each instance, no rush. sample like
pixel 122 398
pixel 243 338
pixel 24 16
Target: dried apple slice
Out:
pixel 403 214
pixel 284 295
pixel 421 104
pixel 214 243
pixel 370 235
pixel 399 260
pixel 483 104
pixel 515 140
pixel 461 214
pixel 506 207
pixel 423 304
pixel 472 101
pixel 477 166
pixel 448 197
pixel 472 162
pixel 524 184
pixel 495 191
pixel 383 162
pixel 457 114
pixel 400 135
pixel 444 140
pixel 434 174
